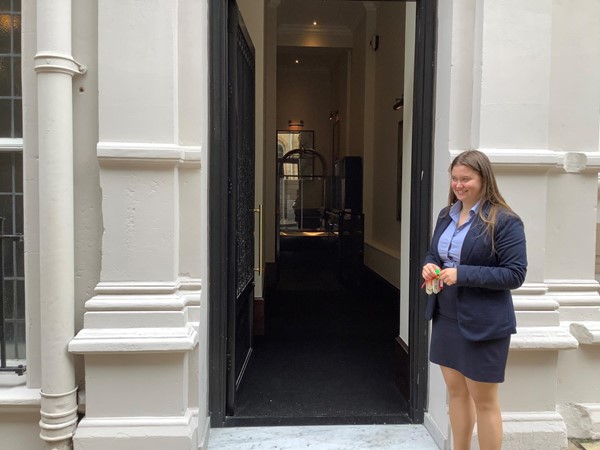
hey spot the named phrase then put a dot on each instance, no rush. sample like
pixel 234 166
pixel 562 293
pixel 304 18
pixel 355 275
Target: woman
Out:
pixel 478 255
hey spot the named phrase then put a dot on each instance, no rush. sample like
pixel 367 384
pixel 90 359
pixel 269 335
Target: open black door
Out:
pixel 240 236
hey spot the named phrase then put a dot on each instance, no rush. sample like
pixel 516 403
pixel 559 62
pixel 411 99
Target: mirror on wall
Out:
pixel 290 140
pixel 302 175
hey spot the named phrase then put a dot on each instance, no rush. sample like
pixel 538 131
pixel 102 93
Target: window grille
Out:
pixel 12 281
pixel 11 115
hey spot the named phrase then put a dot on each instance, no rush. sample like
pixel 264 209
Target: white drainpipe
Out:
pixel 55 68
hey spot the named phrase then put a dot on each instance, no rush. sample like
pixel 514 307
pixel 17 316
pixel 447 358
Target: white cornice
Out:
pixel 542 338
pixel 541 159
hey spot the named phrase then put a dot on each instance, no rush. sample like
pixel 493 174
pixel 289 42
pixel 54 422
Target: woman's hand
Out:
pixel 429 271
pixel 449 276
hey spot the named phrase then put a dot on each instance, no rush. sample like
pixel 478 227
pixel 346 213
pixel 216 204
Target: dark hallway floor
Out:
pixel 327 356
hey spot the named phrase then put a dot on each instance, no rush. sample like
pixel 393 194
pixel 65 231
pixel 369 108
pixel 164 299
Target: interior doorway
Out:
pixel 331 330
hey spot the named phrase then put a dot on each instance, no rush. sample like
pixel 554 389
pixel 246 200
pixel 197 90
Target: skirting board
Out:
pixel 258 311
pixel 402 367
pixel 149 433
pixel 439 438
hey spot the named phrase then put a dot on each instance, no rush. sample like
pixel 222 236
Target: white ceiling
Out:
pixel 327 13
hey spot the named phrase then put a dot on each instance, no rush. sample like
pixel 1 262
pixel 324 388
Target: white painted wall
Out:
pixel 409 76
pixel 382 250
pixel 436 418
pixel 575 69
pixel 88 196
pixel 504 79
pixel 270 156
pixel 306 94
pixel 357 92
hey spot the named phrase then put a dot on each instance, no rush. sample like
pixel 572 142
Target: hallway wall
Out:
pixel 382 249
pixel 306 93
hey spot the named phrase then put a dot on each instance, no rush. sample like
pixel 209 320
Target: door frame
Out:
pixel 218 226
pixel 422 160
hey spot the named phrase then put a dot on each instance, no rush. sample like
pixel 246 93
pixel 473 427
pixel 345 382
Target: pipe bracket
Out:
pixel 58 62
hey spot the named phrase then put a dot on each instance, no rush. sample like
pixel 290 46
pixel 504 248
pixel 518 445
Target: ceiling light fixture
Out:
pixel 295 125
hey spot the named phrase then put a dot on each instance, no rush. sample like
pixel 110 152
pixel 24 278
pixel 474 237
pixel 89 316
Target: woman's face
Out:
pixel 466 185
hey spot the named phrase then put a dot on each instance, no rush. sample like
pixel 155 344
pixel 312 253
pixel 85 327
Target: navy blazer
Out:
pixel 484 278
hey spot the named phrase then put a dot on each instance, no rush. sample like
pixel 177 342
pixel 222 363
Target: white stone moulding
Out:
pixel 541 159
pixel 586 333
pixel 143 153
pixel 173 302
pixel 583 419
pixel 534 289
pixel 533 430
pixel 145 296
pixel 149 433
pixel 138 340
pixel 542 338
pixel 534 304
pixel 16 397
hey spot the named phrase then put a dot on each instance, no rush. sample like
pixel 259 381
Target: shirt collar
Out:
pixel 456 207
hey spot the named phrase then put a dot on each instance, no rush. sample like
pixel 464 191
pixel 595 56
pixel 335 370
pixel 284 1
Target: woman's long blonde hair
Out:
pixel 491 199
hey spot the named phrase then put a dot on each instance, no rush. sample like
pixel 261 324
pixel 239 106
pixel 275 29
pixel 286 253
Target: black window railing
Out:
pixel 18 369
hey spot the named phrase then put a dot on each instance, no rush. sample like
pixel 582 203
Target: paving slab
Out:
pixel 590 445
pixel 344 437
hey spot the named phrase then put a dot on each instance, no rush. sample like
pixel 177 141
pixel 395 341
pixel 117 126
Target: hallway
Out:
pixel 327 356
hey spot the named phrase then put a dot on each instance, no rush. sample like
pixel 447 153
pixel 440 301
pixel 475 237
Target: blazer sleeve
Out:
pixel 509 267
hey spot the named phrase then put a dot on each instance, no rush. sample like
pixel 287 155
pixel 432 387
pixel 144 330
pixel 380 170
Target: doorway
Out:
pixel 312 254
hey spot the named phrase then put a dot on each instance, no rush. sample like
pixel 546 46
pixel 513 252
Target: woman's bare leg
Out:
pixel 489 418
pixel 462 409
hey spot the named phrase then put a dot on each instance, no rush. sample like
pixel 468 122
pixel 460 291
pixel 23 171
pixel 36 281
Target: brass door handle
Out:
pixel 260 234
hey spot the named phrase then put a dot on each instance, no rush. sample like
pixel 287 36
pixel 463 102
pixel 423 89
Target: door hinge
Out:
pixel 229 186
pixel 228 358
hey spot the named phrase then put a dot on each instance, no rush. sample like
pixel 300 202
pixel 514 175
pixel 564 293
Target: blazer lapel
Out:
pixel 443 224
pixel 477 228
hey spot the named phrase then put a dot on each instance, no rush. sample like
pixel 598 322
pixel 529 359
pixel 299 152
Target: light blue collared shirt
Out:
pixel 451 240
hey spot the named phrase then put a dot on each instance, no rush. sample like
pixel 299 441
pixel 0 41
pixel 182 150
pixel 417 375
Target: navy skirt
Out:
pixel 483 361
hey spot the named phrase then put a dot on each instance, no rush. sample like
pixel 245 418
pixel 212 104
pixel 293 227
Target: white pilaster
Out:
pixel 571 222
pixel 500 80
pixel 511 75
pixel 147 314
